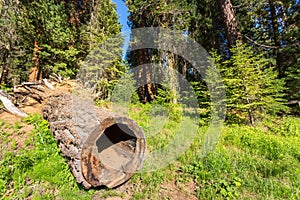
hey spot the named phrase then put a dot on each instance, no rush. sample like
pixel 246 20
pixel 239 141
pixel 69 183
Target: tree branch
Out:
pixel 271 46
pixel 6 100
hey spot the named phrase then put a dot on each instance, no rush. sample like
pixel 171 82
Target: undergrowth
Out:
pixel 249 162
pixel 38 170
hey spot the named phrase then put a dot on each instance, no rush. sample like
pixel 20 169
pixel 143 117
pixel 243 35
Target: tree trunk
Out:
pixel 172 77
pixel 276 38
pixel 35 73
pixel 4 74
pixel 231 25
pixel 102 148
pixel 4 71
pixel 145 92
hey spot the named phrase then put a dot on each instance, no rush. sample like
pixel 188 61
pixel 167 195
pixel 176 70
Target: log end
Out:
pixel 112 152
pixel 102 148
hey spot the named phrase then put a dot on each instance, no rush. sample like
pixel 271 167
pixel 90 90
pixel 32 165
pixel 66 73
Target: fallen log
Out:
pixel 7 102
pixel 36 91
pixel 102 148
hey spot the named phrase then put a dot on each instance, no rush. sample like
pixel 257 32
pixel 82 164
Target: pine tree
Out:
pixel 45 26
pixel 103 66
pixel 206 24
pixel 7 37
pixel 174 15
pixel 13 53
pixel 274 30
pixel 252 87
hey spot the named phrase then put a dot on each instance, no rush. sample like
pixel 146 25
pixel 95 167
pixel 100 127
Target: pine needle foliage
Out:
pixel 252 87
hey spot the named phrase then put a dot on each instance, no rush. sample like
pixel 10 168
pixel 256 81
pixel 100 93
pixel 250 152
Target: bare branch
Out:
pixel 271 46
pixel 6 100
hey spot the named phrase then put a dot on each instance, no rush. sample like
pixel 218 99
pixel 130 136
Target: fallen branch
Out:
pixel 6 100
pixel 48 85
pixel 270 46
pixel 293 103
pixel 56 77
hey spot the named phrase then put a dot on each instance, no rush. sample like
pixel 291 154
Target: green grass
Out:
pixel 38 169
pixel 261 162
pixel 250 163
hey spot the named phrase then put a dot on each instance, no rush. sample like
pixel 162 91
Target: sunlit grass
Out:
pixel 261 162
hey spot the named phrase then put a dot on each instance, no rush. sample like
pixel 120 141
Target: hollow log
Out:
pixel 102 148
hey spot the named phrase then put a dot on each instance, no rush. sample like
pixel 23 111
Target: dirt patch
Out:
pixel 14 131
pixel 9 118
pixel 168 190
pixel 180 191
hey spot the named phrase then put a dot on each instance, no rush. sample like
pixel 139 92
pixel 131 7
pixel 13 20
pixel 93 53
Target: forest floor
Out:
pixel 261 162
pixel 18 131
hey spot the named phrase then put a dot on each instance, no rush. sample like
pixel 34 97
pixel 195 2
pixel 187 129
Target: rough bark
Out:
pixel 145 92
pixel 102 148
pixel 35 73
pixel 230 22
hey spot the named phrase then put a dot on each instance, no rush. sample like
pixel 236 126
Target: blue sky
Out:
pixel 123 13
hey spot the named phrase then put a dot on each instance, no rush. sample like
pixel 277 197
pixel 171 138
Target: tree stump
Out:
pixel 102 148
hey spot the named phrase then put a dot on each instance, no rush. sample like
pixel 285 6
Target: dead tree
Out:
pixel 102 148
pixel 7 101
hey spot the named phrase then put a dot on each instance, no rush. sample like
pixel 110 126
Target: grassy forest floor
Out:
pixel 260 162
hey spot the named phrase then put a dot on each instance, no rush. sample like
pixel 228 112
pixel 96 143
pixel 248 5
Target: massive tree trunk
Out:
pixel 145 92
pixel 102 148
pixel 231 26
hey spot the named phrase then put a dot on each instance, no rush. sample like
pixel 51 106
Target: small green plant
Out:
pixel 14 144
pixel 6 88
pixel 17 126
pixel 40 165
pixel 112 193
pixel 103 103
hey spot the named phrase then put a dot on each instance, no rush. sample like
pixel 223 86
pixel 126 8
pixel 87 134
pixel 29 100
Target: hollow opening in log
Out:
pixel 116 146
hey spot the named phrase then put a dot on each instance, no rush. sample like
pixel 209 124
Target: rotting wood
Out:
pixel 38 91
pixel 7 102
pixel 48 84
pixel 35 92
pixel 102 148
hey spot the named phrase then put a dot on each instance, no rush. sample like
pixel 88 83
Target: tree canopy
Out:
pixel 42 37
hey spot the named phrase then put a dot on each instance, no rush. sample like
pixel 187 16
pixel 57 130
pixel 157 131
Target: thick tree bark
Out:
pixel 102 148
pixel 231 25
pixel 35 73
pixel 145 92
